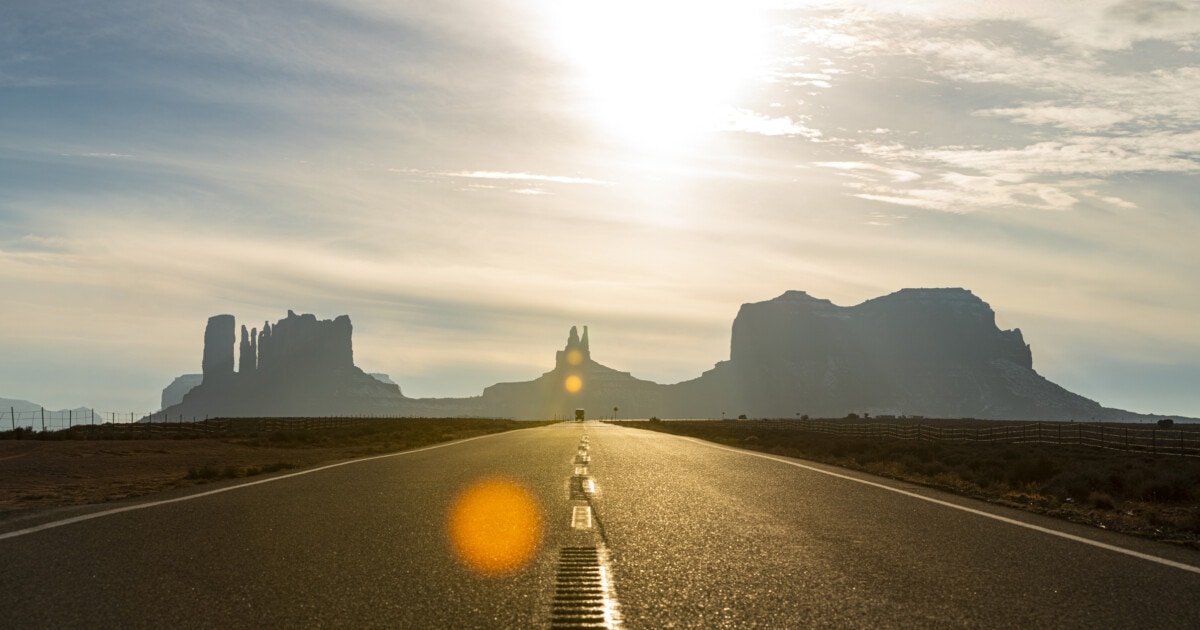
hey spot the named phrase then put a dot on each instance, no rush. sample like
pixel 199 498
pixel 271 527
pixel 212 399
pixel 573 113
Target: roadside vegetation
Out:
pixel 44 469
pixel 1154 496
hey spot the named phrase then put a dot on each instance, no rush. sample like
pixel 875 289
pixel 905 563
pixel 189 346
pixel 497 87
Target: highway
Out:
pixel 637 530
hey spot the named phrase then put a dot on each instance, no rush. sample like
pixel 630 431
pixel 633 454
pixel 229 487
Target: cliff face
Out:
pixel 931 352
pixel 218 349
pixel 300 366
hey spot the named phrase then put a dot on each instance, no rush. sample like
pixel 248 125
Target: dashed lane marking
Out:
pixel 581 517
pixel 583 592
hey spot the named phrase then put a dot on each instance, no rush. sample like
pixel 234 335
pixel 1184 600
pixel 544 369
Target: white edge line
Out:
pixel 142 506
pixel 1003 519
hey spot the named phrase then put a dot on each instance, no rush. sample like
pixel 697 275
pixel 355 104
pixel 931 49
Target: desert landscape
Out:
pixel 49 470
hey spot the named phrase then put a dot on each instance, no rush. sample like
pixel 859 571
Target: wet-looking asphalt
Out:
pixel 617 527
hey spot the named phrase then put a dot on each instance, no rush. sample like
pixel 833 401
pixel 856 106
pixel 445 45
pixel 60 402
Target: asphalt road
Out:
pixel 684 534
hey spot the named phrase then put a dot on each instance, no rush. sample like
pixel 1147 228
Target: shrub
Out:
pixel 203 473
pixel 1101 501
pixel 1025 472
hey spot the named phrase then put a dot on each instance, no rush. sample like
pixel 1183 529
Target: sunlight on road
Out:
pixel 495 526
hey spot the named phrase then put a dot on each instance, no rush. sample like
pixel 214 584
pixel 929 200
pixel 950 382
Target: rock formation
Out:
pixel 916 352
pixel 217 364
pixel 300 366
pixel 930 352
pixel 248 352
pixel 576 381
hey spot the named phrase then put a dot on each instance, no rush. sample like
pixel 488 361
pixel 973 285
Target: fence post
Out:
pixel 43 419
pixel 1153 441
pixel 12 415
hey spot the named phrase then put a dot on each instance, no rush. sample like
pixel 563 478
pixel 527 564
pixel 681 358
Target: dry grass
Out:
pixel 53 471
pixel 1158 497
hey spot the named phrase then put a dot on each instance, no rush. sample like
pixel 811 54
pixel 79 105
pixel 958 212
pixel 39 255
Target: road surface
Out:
pixel 639 529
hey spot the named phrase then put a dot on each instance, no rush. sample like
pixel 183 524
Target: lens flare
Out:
pixel 574 357
pixel 573 383
pixel 495 527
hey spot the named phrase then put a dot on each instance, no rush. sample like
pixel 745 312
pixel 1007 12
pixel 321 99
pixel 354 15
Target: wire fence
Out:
pixel 46 420
pixel 1153 440
pixel 90 424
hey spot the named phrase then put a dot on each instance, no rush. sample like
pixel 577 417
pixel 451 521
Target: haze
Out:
pixel 467 179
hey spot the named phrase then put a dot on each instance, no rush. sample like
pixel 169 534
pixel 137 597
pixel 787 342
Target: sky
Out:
pixel 467 180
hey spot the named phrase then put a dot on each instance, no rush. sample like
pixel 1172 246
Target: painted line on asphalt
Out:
pixel 1003 519
pixel 581 517
pixel 142 506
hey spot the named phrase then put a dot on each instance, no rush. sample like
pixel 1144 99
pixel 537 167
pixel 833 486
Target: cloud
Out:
pixel 857 168
pixel 1072 118
pixel 747 121
pixel 1037 114
pixel 524 177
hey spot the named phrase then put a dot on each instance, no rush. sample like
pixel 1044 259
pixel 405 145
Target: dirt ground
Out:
pixel 44 473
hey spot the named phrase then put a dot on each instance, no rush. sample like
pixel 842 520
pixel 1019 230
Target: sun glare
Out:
pixel 495 527
pixel 573 384
pixel 659 73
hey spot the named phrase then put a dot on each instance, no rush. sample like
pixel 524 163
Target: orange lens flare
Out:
pixel 495 527
pixel 574 357
pixel 573 383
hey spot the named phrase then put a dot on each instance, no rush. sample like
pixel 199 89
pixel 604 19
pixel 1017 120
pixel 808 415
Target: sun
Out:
pixel 659 73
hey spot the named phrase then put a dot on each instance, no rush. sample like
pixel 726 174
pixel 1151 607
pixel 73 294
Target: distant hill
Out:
pixel 173 394
pixel 29 413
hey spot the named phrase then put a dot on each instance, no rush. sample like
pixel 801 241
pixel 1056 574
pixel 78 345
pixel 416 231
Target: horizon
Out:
pixel 467 182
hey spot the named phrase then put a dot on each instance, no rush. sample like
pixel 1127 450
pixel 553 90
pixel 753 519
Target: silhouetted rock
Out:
pixel 300 366
pixel 930 352
pixel 576 381
pixel 247 352
pixel 922 352
pixel 217 364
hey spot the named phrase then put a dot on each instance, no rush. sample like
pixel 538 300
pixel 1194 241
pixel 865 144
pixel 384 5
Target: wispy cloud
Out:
pixel 1077 119
pixel 747 121
pixel 523 177
pixel 1090 118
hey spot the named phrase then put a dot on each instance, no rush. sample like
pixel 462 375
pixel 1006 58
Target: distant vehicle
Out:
pixel 578 415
